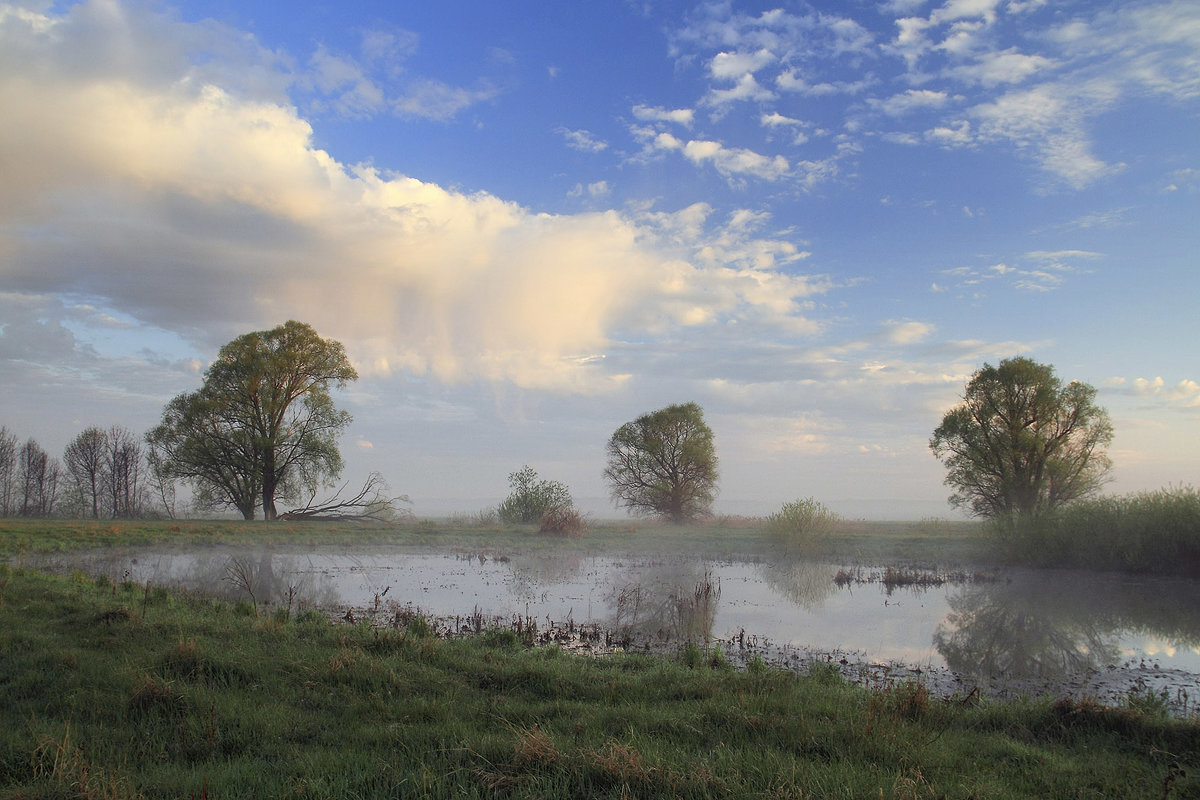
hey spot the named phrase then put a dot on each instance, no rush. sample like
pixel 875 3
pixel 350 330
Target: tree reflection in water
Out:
pixel 532 574
pixel 808 584
pixel 990 633
pixel 1050 623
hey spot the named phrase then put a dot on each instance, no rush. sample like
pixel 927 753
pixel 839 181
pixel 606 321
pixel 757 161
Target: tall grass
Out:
pixel 108 694
pixel 1156 531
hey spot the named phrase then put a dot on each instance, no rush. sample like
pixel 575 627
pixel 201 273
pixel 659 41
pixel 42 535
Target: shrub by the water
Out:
pixel 803 522
pixel 531 498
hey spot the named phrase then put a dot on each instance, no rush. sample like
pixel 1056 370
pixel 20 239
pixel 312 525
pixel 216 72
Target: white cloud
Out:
pixel 594 190
pixel 238 217
pixel 1184 394
pixel 582 140
pixel 966 9
pixel 909 332
pixel 734 67
pixel 1009 66
pixel 354 93
pixel 1153 46
pixel 776 120
pixel 792 81
pixel 436 100
pixel 679 116
pixel 957 134
pixel 1144 386
pixel 911 100
pixel 1036 271
pixel 729 161
pixel 735 160
pixel 911 41
pixel 1048 119
pixel 747 88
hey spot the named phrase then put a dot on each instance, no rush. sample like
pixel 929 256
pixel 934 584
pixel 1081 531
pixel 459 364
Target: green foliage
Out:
pixel 1156 531
pixel 664 463
pixel 1022 444
pixel 263 425
pixel 804 522
pixel 531 498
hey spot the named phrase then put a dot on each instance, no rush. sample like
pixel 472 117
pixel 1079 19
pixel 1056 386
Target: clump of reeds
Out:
pixel 562 521
pixel 1156 531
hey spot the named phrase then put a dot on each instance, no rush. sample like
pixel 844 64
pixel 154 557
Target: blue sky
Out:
pixel 531 222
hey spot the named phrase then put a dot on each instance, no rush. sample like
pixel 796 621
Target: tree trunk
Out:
pixel 268 486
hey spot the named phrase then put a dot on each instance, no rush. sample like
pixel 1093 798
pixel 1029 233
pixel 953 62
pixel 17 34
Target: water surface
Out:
pixel 1022 631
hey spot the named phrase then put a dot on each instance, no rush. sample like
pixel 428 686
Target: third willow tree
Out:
pixel 1021 443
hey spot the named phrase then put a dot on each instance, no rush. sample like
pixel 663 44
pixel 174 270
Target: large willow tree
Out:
pixel 263 425
pixel 1021 443
pixel 664 463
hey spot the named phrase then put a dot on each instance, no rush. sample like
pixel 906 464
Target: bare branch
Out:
pixel 370 504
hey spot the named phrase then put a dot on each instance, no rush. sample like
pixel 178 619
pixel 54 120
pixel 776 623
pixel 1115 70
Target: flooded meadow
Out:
pixel 995 632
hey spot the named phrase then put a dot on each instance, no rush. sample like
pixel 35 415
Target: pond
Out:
pixel 1012 632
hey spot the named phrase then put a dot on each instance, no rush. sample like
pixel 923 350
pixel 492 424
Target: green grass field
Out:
pixel 127 691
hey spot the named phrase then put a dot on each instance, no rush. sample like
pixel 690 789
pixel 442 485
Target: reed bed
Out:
pixel 1153 532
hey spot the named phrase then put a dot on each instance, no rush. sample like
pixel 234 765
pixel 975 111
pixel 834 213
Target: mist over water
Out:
pixel 1017 631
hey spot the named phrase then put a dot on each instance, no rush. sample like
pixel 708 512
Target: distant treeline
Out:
pixel 103 474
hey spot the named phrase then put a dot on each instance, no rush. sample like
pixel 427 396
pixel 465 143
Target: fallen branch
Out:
pixel 371 504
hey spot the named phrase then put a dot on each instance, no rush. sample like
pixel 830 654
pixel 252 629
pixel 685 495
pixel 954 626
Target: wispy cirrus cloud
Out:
pixel 1035 271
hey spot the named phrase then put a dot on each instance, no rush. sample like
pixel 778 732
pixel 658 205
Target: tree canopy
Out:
pixel 1021 443
pixel 263 425
pixel 664 463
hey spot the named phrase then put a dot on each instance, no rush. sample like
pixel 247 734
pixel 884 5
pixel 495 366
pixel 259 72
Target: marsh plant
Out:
pixel 803 523
pixel 1156 531
pixel 562 521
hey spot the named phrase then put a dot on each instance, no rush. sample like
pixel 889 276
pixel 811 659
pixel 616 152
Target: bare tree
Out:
pixel 125 472
pixel 86 462
pixel 37 479
pixel 8 471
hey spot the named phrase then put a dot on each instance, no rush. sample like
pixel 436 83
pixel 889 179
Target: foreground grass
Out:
pixel 121 691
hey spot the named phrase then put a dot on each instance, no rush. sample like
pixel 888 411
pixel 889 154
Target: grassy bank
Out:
pixel 926 543
pixel 117 691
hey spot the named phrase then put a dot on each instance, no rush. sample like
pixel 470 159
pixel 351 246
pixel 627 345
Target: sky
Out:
pixel 531 222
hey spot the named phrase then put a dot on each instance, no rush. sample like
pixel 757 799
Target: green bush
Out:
pixel 804 521
pixel 531 498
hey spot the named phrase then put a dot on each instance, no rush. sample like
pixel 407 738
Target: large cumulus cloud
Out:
pixel 194 199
